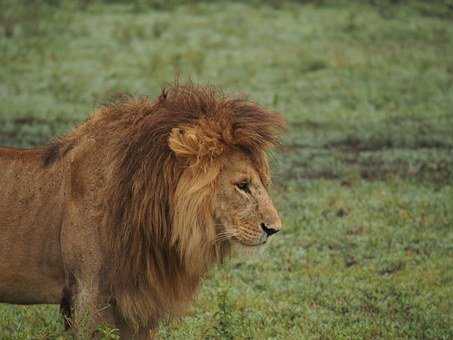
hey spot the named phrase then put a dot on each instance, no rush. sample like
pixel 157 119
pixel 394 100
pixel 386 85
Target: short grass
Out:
pixel 364 179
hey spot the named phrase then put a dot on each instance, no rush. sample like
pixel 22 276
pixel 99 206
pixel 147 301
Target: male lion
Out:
pixel 119 220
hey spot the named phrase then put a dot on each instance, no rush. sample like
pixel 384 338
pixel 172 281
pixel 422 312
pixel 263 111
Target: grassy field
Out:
pixel 364 179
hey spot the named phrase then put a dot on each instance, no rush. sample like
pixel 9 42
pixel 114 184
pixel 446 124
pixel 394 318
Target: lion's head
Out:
pixel 222 196
pixel 228 190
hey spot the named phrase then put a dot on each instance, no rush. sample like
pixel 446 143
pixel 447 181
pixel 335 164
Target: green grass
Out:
pixel 364 179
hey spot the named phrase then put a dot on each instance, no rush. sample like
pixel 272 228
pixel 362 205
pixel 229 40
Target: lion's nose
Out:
pixel 269 230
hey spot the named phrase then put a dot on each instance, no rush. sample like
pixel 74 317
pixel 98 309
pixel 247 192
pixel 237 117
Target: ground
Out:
pixel 363 180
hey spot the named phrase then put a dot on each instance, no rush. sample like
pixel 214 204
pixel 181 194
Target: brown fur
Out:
pixel 136 187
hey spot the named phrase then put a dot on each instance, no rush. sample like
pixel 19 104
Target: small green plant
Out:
pixel 108 333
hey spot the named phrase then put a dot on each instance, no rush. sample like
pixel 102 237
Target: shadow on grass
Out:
pixel 423 158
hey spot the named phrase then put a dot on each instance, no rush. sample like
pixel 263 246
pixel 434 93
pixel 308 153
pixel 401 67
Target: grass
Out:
pixel 364 179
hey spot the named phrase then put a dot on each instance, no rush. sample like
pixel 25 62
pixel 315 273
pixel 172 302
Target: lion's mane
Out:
pixel 157 222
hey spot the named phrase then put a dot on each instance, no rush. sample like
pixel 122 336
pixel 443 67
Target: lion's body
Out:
pixel 109 222
pixel 31 210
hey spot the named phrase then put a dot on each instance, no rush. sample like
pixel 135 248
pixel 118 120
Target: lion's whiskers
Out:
pixel 225 235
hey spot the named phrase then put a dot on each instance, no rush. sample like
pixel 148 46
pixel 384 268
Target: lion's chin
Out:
pixel 247 244
pixel 239 247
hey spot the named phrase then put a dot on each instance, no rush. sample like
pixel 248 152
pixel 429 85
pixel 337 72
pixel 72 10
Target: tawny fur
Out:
pixel 124 205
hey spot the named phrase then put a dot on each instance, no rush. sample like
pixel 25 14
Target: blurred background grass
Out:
pixel 363 179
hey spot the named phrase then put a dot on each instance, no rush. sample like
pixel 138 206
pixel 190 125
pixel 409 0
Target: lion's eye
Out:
pixel 244 186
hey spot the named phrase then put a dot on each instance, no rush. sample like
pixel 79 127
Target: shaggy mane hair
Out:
pixel 162 159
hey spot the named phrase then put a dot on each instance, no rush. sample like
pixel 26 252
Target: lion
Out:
pixel 119 220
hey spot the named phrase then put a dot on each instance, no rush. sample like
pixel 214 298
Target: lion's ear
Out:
pixel 195 142
pixel 183 142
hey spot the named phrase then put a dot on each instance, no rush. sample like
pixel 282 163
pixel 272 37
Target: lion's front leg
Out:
pixel 94 317
pixel 91 314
